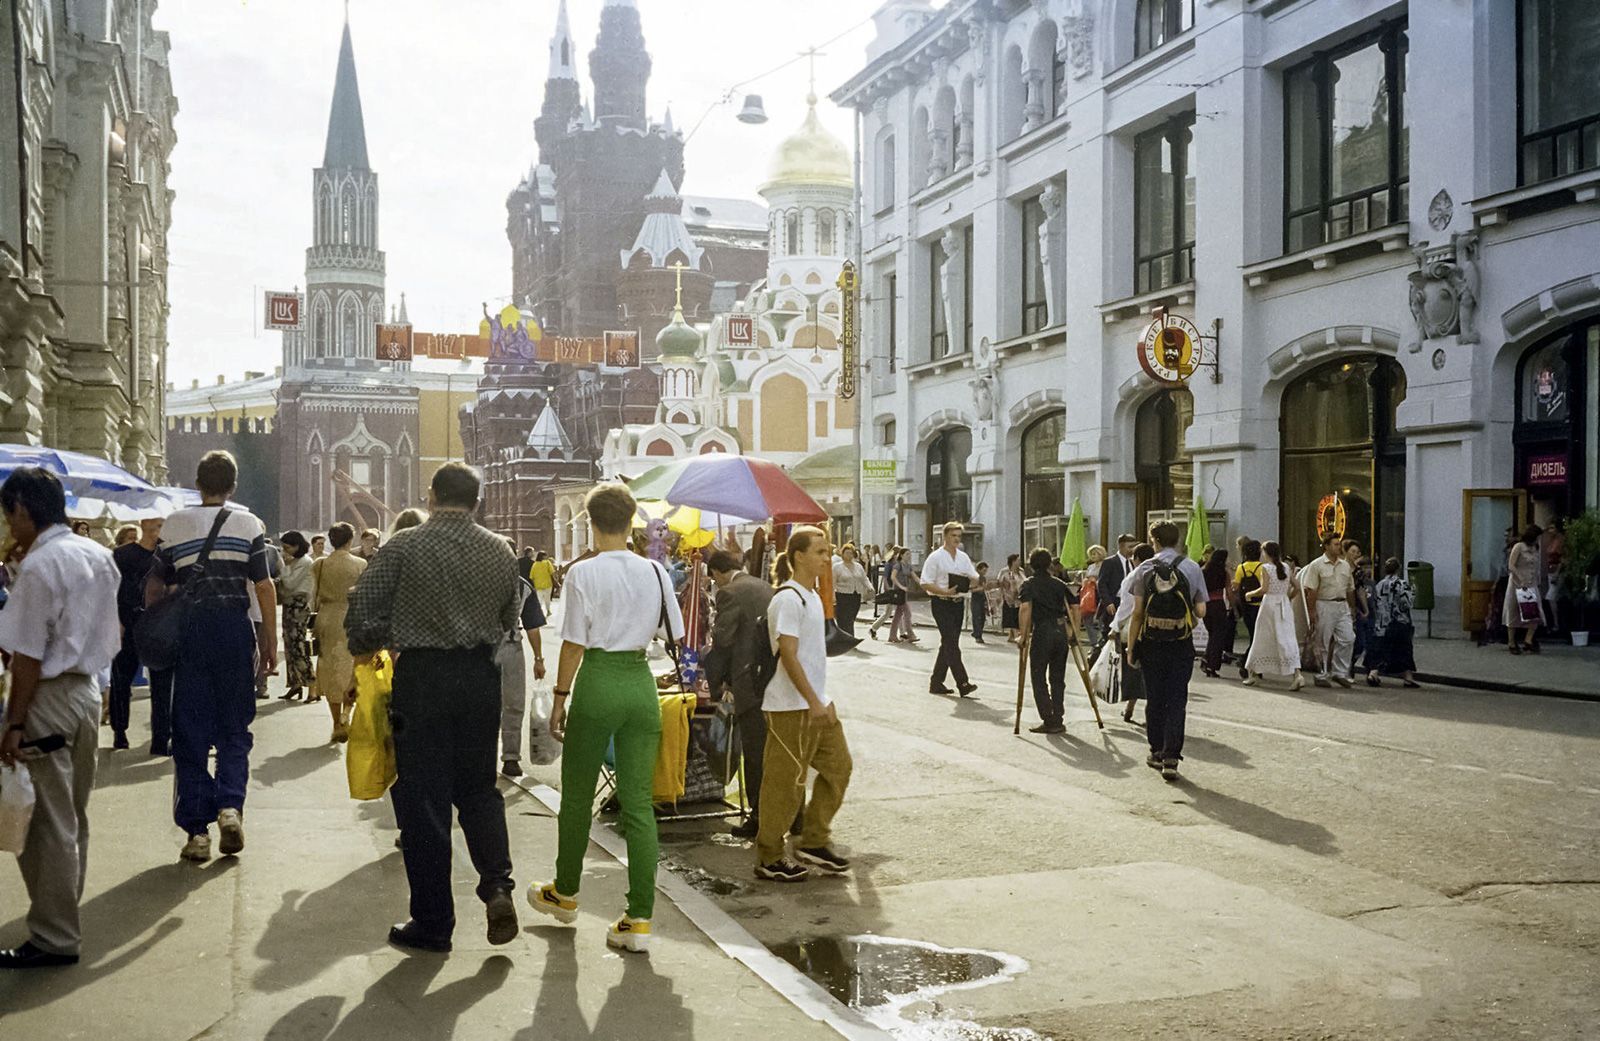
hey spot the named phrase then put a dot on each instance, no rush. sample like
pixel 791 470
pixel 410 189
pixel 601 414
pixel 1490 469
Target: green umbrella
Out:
pixel 1199 530
pixel 1074 545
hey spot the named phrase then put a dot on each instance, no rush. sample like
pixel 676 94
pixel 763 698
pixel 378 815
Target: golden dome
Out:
pixel 811 155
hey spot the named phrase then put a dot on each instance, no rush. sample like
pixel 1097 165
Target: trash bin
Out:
pixel 1420 572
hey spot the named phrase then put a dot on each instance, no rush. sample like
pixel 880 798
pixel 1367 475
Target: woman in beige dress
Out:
pixel 333 578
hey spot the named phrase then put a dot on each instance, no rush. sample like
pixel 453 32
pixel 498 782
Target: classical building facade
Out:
pixel 1387 214
pixel 84 215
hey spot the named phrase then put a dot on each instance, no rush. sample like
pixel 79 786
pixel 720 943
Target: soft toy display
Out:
pixel 655 532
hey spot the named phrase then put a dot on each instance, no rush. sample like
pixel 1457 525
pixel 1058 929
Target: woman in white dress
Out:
pixel 1276 648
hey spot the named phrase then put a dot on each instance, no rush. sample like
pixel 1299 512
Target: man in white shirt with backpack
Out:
pixel 803 730
pixel 1169 599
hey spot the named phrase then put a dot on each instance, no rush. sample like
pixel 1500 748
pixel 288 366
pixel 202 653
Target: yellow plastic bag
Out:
pixel 369 756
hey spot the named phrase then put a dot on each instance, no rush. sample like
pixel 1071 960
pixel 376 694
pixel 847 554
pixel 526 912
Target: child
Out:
pixel 980 601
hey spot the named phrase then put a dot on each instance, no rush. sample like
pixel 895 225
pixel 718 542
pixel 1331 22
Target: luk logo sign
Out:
pixel 282 311
pixel 741 330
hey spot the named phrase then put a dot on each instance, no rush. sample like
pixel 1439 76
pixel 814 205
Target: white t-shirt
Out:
pixel 613 602
pixel 940 565
pixel 799 616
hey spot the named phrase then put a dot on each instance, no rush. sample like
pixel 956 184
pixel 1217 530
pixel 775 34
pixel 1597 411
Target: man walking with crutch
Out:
pixel 947 575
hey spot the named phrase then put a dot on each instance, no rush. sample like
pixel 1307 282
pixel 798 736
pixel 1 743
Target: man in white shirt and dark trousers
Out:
pixel 1330 591
pixel 803 731
pixel 946 576
pixel 61 629
pixel 1169 599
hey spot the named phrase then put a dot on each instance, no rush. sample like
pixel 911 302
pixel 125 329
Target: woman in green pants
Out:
pixel 615 602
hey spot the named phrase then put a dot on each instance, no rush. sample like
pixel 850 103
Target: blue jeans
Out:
pixel 213 705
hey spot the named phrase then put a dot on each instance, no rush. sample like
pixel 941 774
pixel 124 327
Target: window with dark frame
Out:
pixel 1346 141
pixel 1035 311
pixel 938 331
pixel 893 290
pixel 966 288
pixel 1058 85
pixel 1558 90
pixel 1157 22
pixel 1164 205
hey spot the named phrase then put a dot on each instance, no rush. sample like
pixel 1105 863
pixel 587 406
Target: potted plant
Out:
pixel 1580 573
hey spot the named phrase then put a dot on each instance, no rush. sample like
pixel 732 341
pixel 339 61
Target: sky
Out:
pixel 449 91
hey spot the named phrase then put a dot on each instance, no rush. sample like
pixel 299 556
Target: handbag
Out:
pixel 673 651
pixel 1528 609
pixel 16 807
pixel 161 629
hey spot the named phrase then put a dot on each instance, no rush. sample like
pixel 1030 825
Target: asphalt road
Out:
pixel 1334 864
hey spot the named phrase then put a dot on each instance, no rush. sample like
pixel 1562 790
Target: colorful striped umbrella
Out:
pixel 734 485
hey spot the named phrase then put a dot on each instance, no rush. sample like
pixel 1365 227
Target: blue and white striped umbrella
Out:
pixel 83 475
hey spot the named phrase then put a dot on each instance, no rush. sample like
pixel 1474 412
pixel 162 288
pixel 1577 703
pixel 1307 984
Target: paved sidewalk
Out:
pixel 287 941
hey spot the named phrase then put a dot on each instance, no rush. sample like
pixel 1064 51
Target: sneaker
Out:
pixel 1153 761
pixel 1252 681
pixel 747 830
pixel 546 900
pixel 824 859
pixel 197 849
pixel 1169 769
pixel 629 934
pixel 782 871
pixel 966 689
pixel 511 768
pixel 501 912
pixel 230 827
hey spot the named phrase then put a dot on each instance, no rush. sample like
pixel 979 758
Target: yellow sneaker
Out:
pixel 629 934
pixel 546 900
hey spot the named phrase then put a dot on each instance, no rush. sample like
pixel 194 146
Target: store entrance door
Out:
pixel 1486 516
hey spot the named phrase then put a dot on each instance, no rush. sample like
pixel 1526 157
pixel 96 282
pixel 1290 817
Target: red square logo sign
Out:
pixel 282 311
pixel 741 330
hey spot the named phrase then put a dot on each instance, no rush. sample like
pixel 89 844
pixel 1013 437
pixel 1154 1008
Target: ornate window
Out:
pixel 1558 89
pixel 1157 22
pixel 938 328
pixel 1164 205
pixel 949 485
pixel 1347 151
pixel 1044 481
pixel 826 222
pixel 1035 310
pixel 791 232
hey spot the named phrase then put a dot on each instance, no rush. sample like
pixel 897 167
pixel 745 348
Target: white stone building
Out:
pixel 84 215
pixel 1385 211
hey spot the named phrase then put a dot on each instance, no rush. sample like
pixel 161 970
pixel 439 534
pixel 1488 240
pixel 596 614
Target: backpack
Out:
pixel 765 665
pixel 1250 580
pixel 1168 604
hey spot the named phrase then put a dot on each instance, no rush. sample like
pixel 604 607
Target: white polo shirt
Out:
pixel 797 612
pixel 940 565
pixel 63 605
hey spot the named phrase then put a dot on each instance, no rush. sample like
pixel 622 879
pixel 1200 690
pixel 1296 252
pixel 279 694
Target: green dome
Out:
pixel 678 339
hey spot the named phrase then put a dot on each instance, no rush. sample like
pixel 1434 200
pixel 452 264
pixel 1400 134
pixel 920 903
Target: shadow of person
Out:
pixel 132 766
pixel 1208 751
pixel 309 933
pixel 291 766
pixel 1081 751
pixel 311 1020
pixel 1260 821
pixel 643 1003
pixel 135 909
pixel 400 1005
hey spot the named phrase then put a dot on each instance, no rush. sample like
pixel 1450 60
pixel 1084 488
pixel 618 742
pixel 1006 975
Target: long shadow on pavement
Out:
pixel 130 766
pixel 643 1004
pixel 291 766
pixel 1096 752
pixel 1259 821
pixel 310 932
pixel 397 1005
pixel 111 920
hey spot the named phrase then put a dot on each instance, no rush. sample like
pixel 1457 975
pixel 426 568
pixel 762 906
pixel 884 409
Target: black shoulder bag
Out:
pixel 666 626
pixel 159 633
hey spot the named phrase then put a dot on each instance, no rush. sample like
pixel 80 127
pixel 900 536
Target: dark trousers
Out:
pixel 1219 633
pixel 1250 614
pixel 213 705
pixel 123 669
pixel 446 716
pixel 947 616
pixel 1047 660
pixel 980 613
pixel 752 744
pixel 1167 668
pixel 845 608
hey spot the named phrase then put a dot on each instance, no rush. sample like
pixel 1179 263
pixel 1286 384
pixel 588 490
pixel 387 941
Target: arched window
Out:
pixel 791 233
pixel 347 217
pixel 825 232
pixel 349 326
pixel 1158 21
pixel 1338 438
pixel 946 134
pixel 1044 76
pixel 320 329
pixel 1044 481
pixel 658 447
pixel 949 485
pixel 1161 461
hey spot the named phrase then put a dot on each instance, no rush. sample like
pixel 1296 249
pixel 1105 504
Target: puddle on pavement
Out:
pixel 897 984
pixel 703 880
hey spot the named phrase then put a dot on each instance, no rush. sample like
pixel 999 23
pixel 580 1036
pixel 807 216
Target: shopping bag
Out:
pixel 543 748
pixel 369 756
pixel 1100 672
pixel 16 807
pixel 1528 609
pixel 1202 639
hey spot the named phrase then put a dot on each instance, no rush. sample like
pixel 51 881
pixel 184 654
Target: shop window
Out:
pixel 1158 21
pixel 1556 422
pixel 1346 141
pixel 949 486
pixel 1341 457
pixel 1164 205
pixel 1035 310
pixel 1161 461
pixel 1558 88
pixel 1044 487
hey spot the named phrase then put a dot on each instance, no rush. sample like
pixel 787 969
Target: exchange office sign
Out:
pixel 879 476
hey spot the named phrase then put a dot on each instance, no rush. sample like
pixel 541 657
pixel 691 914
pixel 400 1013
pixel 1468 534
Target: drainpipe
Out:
pixel 17 64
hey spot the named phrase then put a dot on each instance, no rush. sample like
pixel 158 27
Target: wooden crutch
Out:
pixel 1022 671
pixel 1082 662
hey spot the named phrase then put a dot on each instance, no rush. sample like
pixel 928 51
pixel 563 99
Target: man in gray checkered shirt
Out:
pixel 441 597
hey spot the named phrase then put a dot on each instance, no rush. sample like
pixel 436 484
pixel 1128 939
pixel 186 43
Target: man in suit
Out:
pixel 741 622
pixel 1114 571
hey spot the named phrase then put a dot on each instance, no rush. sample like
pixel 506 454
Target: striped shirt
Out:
pixel 239 558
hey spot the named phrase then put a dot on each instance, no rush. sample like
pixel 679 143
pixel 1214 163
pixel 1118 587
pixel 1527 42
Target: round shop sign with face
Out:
pixel 1168 350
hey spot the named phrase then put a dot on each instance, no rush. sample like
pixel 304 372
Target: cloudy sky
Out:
pixel 449 89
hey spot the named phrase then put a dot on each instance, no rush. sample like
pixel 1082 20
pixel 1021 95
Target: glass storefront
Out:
pixel 949 485
pixel 1555 431
pixel 1044 486
pixel 1343 467
pixel 1161 460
